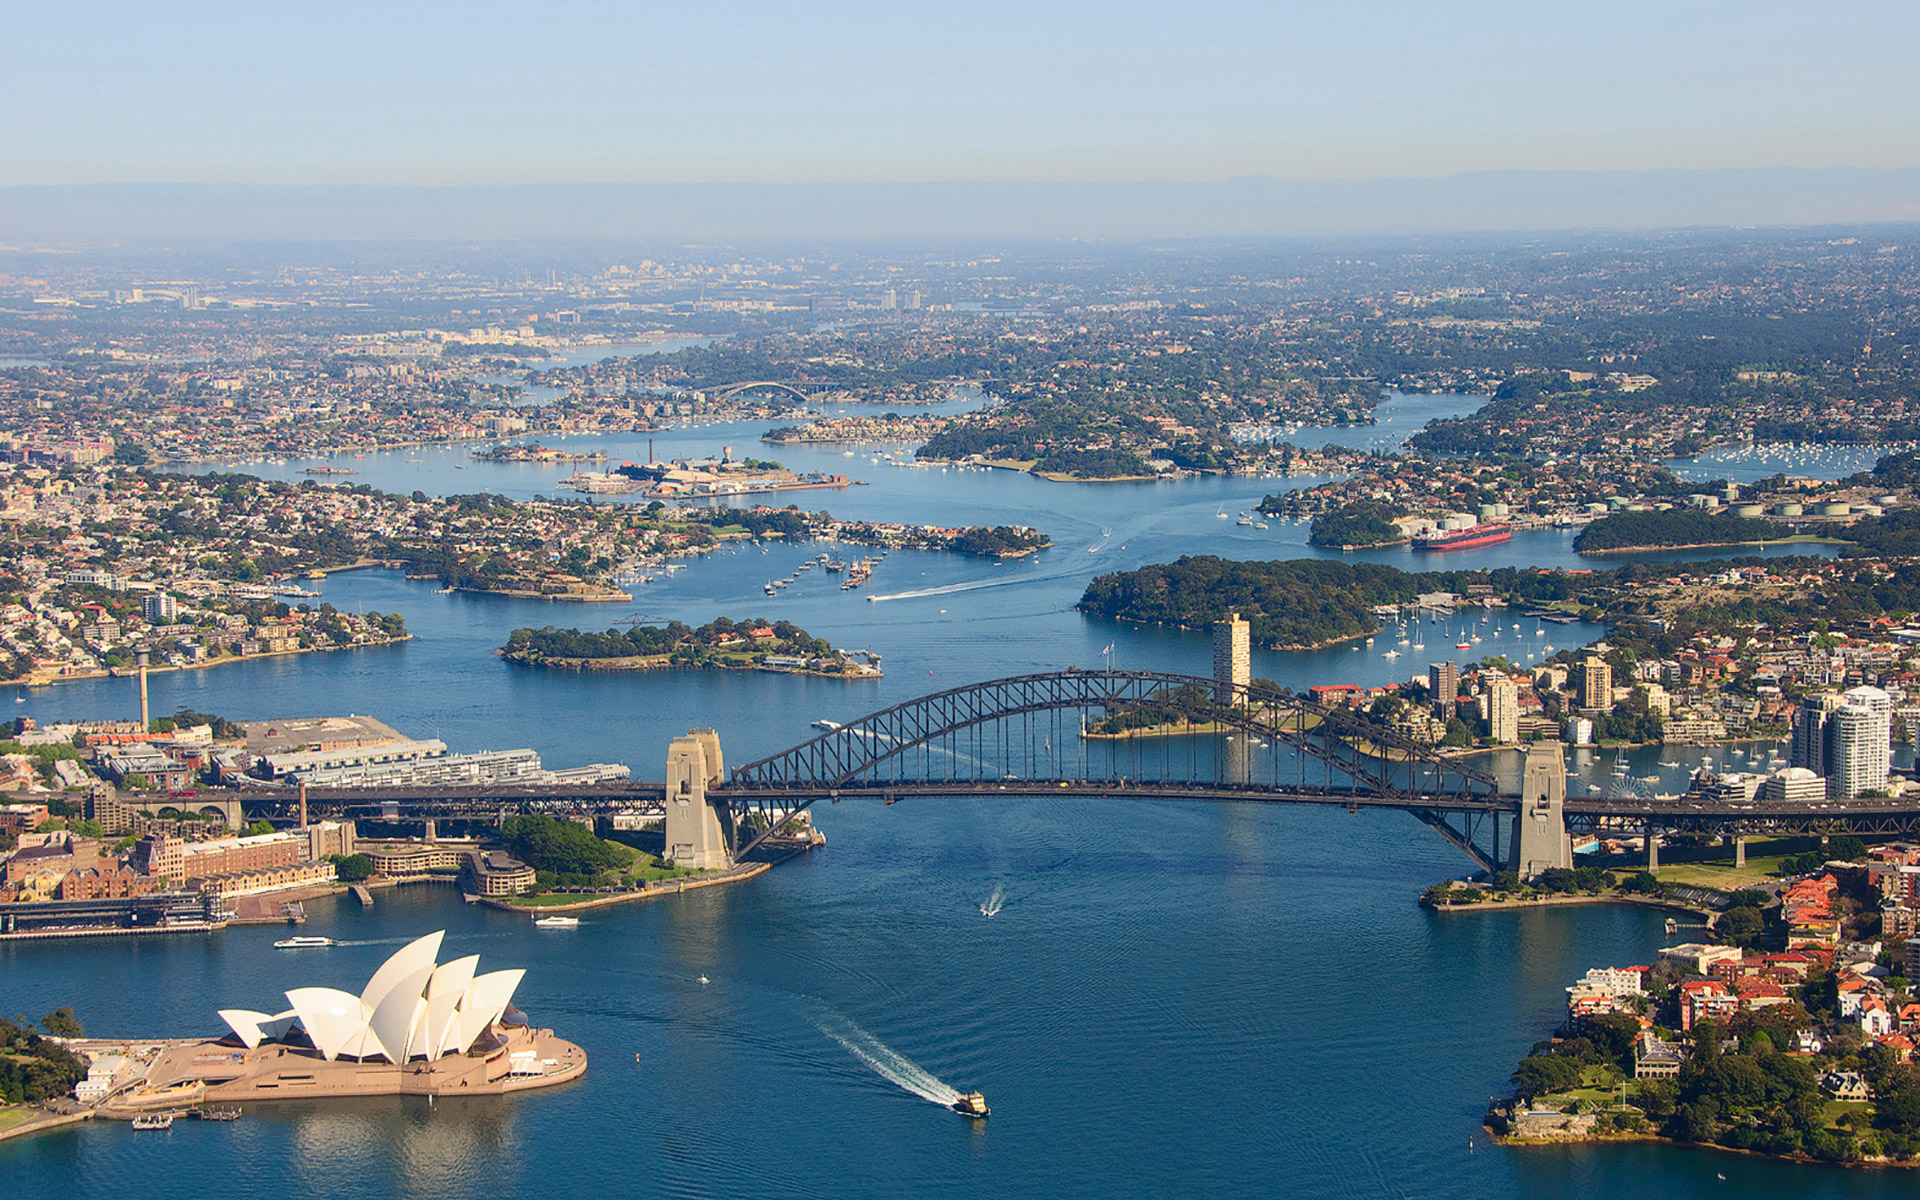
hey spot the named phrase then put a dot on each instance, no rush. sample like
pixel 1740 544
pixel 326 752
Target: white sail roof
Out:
pixel 410 1008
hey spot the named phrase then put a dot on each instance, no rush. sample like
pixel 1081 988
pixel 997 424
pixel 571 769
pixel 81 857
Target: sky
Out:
pixel 798 91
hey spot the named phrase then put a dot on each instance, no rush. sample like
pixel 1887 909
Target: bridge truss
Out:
pixel 1010 735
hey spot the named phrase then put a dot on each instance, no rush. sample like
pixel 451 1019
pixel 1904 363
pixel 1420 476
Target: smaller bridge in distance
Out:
pixel 802 390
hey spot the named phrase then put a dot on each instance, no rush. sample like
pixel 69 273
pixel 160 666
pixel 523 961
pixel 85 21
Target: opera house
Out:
pixel 417 1028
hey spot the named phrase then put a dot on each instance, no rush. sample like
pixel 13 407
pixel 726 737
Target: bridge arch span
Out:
pixel 1379 762
pixel 735 389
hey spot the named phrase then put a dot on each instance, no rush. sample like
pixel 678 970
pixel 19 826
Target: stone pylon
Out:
pixel 695 836
pixel 1542 840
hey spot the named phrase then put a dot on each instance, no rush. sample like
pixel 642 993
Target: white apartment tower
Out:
pixel 1862 736
pixel 1232 658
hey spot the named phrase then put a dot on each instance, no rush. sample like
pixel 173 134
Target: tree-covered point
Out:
pixel 33 1068
pixel 675 638
pixel 561 847
pixel 1895 535
pixel 1355 525
pixel 1674 527
pixel 999 541
pixel 1092 464
pixel 1303 602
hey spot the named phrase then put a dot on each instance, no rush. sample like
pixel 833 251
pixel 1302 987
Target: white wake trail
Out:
pixel 889 1063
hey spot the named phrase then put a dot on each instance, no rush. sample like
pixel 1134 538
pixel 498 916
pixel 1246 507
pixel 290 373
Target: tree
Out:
pixel 62 1023
pixel 352 868
pixel 1741 926
pixel 1539 1074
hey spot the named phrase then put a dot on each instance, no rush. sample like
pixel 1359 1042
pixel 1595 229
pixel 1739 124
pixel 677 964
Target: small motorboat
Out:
pixel 555 922
pixel 974 1105
pixel 302 943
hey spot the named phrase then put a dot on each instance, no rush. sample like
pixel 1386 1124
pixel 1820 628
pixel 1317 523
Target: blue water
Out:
pixel 1749 464
pixel 1205 1000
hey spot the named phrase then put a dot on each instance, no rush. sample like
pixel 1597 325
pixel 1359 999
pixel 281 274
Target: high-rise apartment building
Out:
pixel 1596 684
pixel 1862 729
pixel 1443 680
pixel 1232 658
pixel 1503 709
pixel 1812 744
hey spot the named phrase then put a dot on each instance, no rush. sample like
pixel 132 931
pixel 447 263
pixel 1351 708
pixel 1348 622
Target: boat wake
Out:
pixel 889 1063
pixel 991 906
pixel 973 586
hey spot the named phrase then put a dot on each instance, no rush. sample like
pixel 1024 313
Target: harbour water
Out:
pixel 1208 1000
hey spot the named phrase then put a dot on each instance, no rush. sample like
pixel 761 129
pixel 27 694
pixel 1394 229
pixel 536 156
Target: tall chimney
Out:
pixel 303 804
pixel 145 721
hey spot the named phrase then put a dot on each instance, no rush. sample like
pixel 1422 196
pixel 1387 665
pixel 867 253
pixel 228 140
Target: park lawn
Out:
pixel 653 874
pixel 1714 868
pixel 1862 1111
pixel 14 1114
pixel 1595 1098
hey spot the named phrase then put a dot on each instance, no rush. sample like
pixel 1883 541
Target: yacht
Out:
pixel 302 943
pixel 555 922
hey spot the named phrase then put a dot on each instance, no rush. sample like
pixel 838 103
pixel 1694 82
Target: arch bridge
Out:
pixel 1008 736
pixel 731 390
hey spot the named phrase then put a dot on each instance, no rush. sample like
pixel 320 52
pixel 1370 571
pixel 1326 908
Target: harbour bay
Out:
pixel 1221 999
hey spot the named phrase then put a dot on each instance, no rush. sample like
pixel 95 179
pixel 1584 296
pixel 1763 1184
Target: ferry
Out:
pixel 555 922
pixel 824 723
pixel 302 943
pixel 1470 538
pixel 974 1105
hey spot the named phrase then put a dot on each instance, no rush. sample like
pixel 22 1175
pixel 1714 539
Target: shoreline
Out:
pixel 1860 1164
pixel 44 1122
pixel 225 661
pixel 1799 539
pixel 740 873
pixel 1566 900
pixel 663 662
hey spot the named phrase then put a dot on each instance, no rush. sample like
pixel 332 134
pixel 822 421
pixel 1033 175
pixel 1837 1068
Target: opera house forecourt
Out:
pixel 417 1029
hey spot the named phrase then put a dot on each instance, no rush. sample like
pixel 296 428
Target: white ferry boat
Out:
pixel 555 922
pixel 302 943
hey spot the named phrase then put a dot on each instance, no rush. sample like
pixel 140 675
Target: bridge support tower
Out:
pixel 1541 842
pixel 695 837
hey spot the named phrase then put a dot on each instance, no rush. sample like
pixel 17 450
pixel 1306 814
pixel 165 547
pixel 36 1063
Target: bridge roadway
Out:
pixel 1879 816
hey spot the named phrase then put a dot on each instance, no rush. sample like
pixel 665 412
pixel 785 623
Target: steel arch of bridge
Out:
pixel 1386 764
pixel 734 389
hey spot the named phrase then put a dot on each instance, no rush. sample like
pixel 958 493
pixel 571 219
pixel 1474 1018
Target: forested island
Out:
pixel 723 643
pixel 1353 526
pixel 1674 528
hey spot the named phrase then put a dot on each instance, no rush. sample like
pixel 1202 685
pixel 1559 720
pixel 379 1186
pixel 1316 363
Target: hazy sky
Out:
pixel 484 91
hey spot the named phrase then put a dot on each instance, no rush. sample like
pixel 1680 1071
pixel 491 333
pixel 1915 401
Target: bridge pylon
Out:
pixel 1541 841
pixel 694 834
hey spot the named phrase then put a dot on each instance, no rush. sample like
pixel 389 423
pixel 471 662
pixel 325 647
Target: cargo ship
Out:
pixel 1469 538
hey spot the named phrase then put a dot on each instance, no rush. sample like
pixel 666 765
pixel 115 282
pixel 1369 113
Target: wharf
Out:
pixel 41 935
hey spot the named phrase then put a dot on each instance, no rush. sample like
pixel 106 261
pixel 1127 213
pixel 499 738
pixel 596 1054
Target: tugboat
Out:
pixel 974 1105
